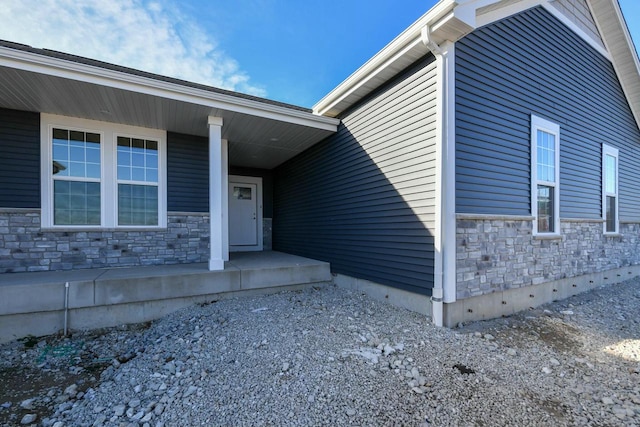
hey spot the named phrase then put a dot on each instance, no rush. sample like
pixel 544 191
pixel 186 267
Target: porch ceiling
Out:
pixel 261 133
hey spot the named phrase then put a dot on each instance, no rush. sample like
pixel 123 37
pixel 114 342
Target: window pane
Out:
pixel 124 173
pixel 93 170
pixel 93 155
pixel 93 137
pixel 137 204
pixel 62 134
pixel 152 175
pixel 610 174
pixel 151 160
pixel 546 147
pixel 77 169
pixel 76 203
pixel 76 154
pixel 71 154
pixel 611 214
pixel 545 209
pixel 137 174
pixel 124 156
pixel 60 152
pixel 137 160
pixel 75 135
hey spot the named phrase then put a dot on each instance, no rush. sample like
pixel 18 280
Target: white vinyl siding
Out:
pixel 545 176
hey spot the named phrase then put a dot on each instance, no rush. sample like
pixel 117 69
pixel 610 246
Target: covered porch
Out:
pixel 38 303
pixel 204 139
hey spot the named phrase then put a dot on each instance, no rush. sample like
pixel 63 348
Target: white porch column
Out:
pixel 225 200
pixel 217 194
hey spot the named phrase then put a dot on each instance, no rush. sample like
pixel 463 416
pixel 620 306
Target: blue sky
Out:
pixel 288 50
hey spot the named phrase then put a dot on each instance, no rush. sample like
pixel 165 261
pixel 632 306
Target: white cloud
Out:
pixel 152 36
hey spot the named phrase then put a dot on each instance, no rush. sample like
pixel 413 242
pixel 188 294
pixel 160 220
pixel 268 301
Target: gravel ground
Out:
pixel 327 356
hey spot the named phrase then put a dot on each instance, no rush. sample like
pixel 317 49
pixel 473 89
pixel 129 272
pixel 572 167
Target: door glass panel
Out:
pixel 242 193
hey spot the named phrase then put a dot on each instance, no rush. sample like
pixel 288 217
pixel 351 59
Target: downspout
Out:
pixel 444 239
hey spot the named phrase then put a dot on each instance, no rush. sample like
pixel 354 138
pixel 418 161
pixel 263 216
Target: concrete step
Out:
pixel 34 303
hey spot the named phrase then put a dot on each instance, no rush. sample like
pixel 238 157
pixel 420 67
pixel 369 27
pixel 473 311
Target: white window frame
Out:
pixel 613 152
pixel 538 123
pixel 108 165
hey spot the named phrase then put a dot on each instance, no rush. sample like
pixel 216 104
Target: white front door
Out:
pixel 245 214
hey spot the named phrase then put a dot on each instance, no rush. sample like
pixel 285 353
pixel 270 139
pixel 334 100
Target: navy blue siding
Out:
pixel 187 173
pixel 363 199
pixel 532 64
pixel 19 159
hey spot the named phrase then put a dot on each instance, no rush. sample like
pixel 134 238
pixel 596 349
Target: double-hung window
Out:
pixel 137 181
pixel 97 174
pixel 610 189
pixel 545 176
pixel 75 172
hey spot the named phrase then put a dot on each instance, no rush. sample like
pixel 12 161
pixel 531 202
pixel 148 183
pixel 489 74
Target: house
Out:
pixel 483 162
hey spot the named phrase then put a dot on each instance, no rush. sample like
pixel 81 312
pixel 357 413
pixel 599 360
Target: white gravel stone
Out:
pixel 119 410
pixel 323 357
pixel 28 419
pixel 27 404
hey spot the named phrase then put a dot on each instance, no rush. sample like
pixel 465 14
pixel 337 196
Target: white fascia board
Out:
pixel 624 56
pixel 56 67
pixel 322 108
pixel 506 11
pixel 386 56
pixel 512 9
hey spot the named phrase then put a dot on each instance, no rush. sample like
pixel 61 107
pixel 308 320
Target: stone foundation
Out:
pixel 24 246
pixel 495 254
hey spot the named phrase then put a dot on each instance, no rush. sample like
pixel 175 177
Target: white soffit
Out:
pixel 34 62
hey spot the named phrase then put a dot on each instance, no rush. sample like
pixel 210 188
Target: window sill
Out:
pixel 612 234
pixel 99 229
pixel 547 236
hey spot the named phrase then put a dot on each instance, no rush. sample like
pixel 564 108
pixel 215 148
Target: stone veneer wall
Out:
pixel 24 246
pixel 496 254
pixel 267 234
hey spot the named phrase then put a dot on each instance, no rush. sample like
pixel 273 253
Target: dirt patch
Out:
pixel 35 372
pixel 558 335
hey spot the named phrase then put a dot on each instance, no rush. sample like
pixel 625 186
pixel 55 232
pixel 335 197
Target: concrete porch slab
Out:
pixel 34 303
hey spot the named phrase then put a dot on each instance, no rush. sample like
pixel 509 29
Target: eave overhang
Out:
pixel 261 133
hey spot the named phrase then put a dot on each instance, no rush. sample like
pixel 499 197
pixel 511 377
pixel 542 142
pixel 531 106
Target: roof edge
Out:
pixel 88 70
pixel 619 43
pixel 378 62
pixel 447 21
